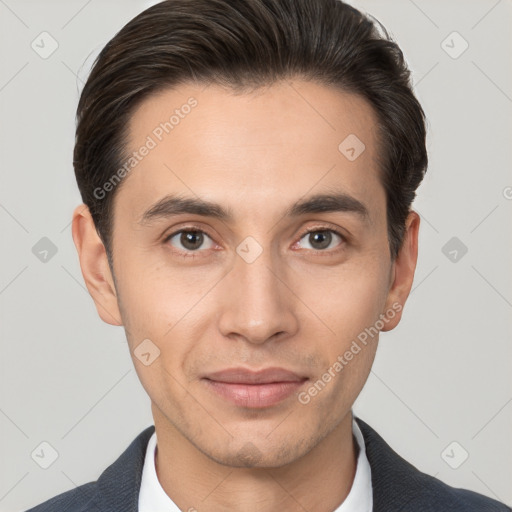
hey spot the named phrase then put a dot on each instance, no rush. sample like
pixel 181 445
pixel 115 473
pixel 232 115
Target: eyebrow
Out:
pixel 172 205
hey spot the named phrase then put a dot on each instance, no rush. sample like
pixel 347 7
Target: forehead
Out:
pixel 255 150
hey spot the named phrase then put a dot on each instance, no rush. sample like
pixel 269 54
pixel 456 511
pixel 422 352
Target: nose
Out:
pixel 258 304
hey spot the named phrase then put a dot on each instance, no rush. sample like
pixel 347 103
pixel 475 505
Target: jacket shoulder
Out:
pixel 74 500
pixel 435 495
pixel 117 488
pixel 455 499
pixel 399 486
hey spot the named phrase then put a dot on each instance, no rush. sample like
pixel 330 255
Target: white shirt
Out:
pixel 152 497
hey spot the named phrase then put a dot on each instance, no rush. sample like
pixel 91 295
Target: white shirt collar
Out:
pixel 152 497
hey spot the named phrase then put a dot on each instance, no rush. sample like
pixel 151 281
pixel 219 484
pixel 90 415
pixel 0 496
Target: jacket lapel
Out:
pixel 395 481
pixel 119 485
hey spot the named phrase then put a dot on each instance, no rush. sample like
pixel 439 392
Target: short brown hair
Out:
pixel 246 44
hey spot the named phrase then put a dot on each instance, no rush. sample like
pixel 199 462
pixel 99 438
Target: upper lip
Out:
pixel 246 376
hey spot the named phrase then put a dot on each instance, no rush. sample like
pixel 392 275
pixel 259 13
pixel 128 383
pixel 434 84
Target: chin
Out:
pixel 251 453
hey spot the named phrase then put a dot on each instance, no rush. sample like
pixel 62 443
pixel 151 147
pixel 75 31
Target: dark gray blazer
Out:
pixel 397 485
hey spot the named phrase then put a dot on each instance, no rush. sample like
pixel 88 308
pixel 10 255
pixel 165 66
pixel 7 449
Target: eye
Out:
pixel 190 239
pixel 321 239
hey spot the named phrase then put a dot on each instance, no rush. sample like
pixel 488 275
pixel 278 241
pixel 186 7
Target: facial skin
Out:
pixel 299 305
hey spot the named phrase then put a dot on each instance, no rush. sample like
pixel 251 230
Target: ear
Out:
pixel 94 264
pixel 402 273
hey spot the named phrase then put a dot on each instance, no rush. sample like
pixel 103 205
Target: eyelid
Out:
pixel 324 227
pixel 187 227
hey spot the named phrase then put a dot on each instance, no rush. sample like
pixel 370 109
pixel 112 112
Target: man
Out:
pixel 247 169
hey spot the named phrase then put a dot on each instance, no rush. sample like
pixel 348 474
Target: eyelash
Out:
pixel 193 229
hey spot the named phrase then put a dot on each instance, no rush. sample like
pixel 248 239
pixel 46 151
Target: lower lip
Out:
pixel 254 396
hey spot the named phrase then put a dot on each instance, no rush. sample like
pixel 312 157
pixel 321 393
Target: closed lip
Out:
pixel 246 376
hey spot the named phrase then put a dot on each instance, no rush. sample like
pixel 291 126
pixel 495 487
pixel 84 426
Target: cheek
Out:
pixel 155 297
pixel 171 308
pixel 347 298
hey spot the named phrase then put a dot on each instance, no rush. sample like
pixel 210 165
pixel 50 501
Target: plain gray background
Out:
pixel 442 377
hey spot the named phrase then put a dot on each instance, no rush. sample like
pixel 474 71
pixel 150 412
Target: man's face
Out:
pixel 253 290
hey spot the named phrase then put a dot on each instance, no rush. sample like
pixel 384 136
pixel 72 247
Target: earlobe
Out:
pixel 94 264
pixel 403 272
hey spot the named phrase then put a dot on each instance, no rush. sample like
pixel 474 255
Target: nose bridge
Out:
pixel 259 304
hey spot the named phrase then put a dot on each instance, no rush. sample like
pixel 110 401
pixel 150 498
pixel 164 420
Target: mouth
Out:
pixel 254 389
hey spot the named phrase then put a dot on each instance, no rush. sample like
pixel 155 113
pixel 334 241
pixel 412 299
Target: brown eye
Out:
pixel 189 240
pixel 321 239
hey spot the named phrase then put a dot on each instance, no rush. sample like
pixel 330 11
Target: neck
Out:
pixel 318 481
